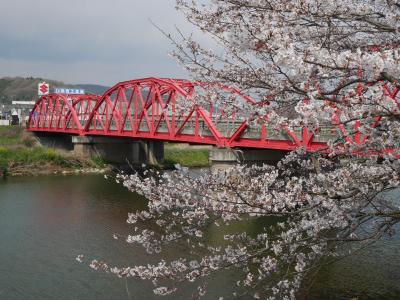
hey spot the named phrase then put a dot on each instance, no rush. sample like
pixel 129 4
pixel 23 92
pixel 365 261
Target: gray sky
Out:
pixel 88 41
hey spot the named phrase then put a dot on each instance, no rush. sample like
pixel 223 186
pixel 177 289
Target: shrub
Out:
pixel 3 168
pixel 98 161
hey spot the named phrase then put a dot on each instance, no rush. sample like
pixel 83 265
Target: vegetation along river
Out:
pixel 45 222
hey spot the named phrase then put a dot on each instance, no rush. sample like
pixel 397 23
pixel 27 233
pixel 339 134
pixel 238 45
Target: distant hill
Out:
pixel 25 89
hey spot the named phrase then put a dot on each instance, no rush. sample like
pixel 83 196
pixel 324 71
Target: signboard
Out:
pixel 23 102
pixel 69 91
pixel 43 89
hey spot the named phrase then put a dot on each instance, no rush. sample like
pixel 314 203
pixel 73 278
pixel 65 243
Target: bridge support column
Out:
pixel 119 151
pixel 222 158
pixel 54 140
pixel 153 152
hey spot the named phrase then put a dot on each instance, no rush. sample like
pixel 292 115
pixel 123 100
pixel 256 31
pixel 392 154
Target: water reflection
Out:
pixel 46 222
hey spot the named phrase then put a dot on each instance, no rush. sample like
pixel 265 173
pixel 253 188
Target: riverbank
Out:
pixel 185 155
pixel 22 155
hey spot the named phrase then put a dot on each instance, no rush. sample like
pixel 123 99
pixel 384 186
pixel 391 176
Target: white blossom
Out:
pixel 328 66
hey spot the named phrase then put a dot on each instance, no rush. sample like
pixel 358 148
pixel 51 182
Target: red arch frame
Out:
pixel 148 109
pixel 55 112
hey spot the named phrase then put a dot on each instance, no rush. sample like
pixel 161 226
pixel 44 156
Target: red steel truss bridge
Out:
pixel 166 110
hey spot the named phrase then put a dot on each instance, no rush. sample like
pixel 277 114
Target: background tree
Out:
pixel 326 61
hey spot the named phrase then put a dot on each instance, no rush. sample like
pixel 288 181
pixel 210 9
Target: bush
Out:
pixel 3 168
pixel 98 161
pixel 29 141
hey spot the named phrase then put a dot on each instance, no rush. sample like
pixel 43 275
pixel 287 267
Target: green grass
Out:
pixel 10 135
pixel 10 130
pixel 3 168
pixel 98 161
pixel 18 149
pixel 35 155
pixel 8 141
pixel 20 154
pixel 185 157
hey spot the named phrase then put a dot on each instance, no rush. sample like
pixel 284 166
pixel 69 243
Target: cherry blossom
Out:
pixel 308 63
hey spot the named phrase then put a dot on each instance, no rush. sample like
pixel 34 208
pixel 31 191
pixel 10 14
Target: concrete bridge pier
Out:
pixel 119 151
pixel 223 158
pixel 149 152
pixel 55 140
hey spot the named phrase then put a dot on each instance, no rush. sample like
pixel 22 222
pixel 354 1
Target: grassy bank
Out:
pixel 185 155
pixel 20 154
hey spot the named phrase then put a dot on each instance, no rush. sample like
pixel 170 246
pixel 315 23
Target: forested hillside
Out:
pixel 25 89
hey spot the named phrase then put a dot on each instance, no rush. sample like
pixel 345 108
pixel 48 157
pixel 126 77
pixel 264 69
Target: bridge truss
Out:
pixel 168 110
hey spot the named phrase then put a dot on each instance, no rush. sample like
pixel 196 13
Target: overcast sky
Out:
pixel 88 41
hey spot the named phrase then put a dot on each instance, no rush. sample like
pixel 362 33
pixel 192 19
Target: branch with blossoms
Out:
pixel 317 209
pixel 274 53
pixel 308 64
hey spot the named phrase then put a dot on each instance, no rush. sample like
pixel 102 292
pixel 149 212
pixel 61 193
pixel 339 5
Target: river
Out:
pixel 45 222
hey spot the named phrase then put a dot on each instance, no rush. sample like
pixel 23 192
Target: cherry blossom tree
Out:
pixel 311 62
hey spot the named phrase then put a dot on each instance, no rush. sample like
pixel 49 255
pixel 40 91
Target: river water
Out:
pixel 45 222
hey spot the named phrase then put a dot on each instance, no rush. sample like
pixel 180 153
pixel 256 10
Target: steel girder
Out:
pixel 169 110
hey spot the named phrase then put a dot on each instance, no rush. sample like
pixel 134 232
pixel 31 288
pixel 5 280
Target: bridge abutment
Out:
pixel 223 158
pixel 119 151
pixel 55 140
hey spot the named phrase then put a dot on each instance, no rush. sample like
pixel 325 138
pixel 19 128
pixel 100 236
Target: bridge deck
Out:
pixel 165 110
